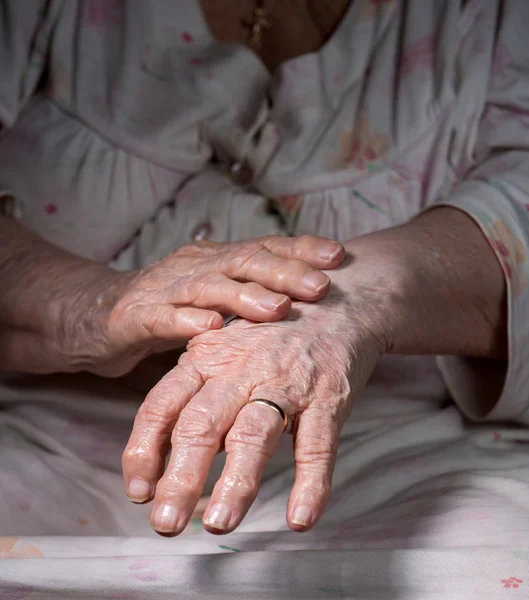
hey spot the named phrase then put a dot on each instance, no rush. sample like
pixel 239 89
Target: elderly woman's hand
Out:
pixel 394 293
pixel 63 313
pixel 187 293
pixel 310 364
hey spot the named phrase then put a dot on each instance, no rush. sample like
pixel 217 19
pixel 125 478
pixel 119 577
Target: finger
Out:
pixel 144 456
pixel 249 445
pixel 220 293
pixel 315 447
pixel 316 251
pixel 289 276
pixel 153 322
pixel 197 436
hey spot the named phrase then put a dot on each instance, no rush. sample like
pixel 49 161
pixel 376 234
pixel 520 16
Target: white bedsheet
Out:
pixel 425 505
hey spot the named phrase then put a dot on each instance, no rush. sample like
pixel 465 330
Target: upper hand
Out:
pixel 188 293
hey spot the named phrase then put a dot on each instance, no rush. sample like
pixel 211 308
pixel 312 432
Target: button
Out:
pixel 240 173
pixel 201 232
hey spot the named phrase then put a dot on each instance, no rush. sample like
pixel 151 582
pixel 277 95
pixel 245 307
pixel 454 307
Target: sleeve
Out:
pixel 25 27
pixel 496 195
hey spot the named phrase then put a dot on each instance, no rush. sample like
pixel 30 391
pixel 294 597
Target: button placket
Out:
pixel 243 154
pixel 240 173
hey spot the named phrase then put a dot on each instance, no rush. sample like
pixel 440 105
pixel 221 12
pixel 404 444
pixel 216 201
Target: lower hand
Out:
pixel 310 364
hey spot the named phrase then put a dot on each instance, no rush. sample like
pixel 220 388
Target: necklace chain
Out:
pixel 258 25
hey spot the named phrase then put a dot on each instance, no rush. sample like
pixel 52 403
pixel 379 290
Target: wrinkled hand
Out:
pixel 310 364
pixel 188 292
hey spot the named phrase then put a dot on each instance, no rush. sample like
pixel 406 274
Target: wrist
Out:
pixel 384 276
pixel 86 309
pixel 435 285
pixel 358 306
pixel 53 304
pixel 67 322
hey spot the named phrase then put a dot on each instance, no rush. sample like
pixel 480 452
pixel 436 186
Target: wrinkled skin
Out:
pixel 189 292
pixel 311 364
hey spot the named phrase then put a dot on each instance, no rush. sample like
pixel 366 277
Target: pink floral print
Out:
pixel 512 254
pixel 13 547
pixel 363 149
pixel 418 55
pixel 103 12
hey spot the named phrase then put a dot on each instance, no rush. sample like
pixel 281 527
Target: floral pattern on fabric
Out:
pixel 363 149
pixel 103 12
pixel 511 252
pixel 13 547
pixel 419 55
pixel 91 193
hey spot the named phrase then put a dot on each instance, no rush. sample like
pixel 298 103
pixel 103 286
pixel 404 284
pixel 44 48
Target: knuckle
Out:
pixel 270 238
pixel 254 246
pixel 152 414
pixel 187 367
pixel 244 257
pixel 291 267
pixel 197 429
pixel 306 239
pixel 185 370
pixel 213 278
pixel 319 487
pixel 123 311
pixel 316 452
pixel 255 441
pixel 136 454
pixel 238 293
pixel 248 289
pixel 153 325
pixel 306 244
pixel 200 286
pixel 244 486
pixel 299 266
pixel 179 482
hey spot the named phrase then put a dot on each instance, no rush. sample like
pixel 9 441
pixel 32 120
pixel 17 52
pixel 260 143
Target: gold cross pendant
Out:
pixel 257 26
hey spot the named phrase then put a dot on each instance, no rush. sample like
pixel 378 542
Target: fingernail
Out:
pixel 330 252
pixel 218 516
pixel 272 301
pixel 316 281
pixel 139 490
pixel 165 518
pixel 205 321
pixel 302 516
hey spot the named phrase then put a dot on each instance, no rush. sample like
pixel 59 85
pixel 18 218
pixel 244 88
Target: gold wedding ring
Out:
pixel 275 407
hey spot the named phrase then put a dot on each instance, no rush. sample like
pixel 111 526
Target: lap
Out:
pixel 410 470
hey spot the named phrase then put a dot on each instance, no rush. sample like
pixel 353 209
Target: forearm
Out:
pixel 45 295
pixel 436 284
